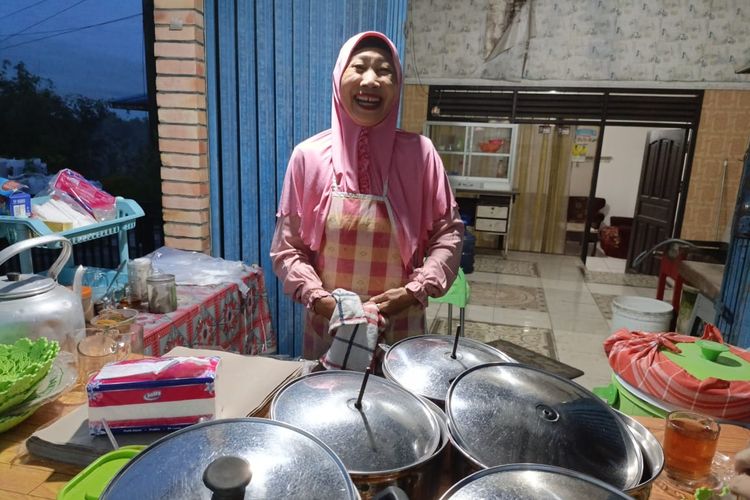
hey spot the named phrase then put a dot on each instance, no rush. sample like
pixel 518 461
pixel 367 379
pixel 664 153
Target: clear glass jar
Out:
pixel 162 293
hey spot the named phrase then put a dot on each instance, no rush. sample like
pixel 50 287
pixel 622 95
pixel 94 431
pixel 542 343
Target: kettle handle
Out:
pixel 22 246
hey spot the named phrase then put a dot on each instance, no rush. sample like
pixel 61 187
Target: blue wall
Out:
pixel 269 67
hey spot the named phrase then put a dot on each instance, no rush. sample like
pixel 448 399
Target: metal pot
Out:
pixel 394 438
pixel 234 459
pixel 35 306
pixel 424 364
pixel 653 457
pixel 501 413
pixel 530 482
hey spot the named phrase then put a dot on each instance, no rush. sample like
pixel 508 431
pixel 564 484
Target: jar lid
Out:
pixel 423 363
pixel 284 462
pixel 392 430
pixel 160 278
pixel 529 482
pixel 503 413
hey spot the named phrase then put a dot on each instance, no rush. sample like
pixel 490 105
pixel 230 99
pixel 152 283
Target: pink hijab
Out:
pixel 418 189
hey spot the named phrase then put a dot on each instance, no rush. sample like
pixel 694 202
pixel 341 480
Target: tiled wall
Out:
pixel 414 108
pixel 723 135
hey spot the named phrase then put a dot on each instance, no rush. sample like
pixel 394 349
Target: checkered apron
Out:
pixel 361 254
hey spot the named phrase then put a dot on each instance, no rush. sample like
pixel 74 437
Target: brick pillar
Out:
pixel 183 143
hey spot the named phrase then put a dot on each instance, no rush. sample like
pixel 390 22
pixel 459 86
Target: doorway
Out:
pixel 620 178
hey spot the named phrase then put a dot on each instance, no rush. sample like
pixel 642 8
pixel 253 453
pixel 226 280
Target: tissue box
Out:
pixel 155 394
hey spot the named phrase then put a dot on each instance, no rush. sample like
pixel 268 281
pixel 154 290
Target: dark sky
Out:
pixel 103 62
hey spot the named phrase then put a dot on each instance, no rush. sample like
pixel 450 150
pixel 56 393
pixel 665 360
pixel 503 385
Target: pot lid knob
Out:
pixel 14 276
pixel 227 477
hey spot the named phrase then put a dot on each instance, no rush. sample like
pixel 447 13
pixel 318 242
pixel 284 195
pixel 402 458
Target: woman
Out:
pixel 363 204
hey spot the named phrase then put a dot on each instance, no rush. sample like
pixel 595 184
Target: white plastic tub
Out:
pixel 640 314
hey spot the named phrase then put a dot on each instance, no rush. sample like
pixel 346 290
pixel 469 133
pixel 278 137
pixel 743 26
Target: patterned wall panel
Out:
pixel 581 40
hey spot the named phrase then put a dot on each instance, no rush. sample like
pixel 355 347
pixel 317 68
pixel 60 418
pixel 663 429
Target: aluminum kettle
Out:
pixel 36 306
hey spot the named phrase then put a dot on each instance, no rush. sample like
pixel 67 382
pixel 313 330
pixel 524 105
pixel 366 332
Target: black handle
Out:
pixel 358 404
pixel 227 477
pixel 455 342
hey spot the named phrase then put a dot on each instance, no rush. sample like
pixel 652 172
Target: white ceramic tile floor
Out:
pixel 579 327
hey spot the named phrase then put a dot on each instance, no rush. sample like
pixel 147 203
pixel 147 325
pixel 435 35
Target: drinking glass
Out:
pixel 690 441
pixel 129 337
pixel 97 350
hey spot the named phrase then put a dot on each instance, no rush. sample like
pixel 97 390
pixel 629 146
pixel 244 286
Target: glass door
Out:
pixel 490 152
pixel 450 141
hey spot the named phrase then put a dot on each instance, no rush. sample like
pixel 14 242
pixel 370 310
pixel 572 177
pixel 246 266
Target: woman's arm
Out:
pixel 291 260
pixel 438 270
pixel 443 252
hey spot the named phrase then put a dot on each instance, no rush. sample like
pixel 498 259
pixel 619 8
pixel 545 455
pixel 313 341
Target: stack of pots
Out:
pixel 393 441
pixel 234 459
pixel 508 431
pixel 501 413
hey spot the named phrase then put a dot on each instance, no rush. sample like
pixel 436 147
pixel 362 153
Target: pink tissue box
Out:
pixel 154 394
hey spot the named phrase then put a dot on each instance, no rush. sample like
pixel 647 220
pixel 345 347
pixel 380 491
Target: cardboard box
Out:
pixel 153 394
pixel 13 202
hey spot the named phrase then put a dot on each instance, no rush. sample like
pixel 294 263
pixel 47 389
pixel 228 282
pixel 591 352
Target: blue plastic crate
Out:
pixel 127 212
pixel 16 229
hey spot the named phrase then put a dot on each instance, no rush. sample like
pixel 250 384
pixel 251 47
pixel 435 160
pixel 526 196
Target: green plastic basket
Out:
pixel 620 398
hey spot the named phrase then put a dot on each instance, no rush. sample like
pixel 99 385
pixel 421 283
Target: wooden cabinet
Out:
pixel 480 160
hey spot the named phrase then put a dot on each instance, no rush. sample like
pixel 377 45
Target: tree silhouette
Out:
pixel 75 132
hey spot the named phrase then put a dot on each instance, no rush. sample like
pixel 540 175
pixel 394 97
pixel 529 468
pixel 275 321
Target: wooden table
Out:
pixel 732 439
pixel 23 476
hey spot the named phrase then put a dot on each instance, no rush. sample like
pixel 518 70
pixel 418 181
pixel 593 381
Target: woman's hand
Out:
pixel 740 484
pixel 325 307
pixel 393 301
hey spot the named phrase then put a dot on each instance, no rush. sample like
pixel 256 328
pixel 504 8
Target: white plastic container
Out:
pixel 640 314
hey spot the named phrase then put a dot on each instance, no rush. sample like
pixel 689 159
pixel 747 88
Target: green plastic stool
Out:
pixel 457 295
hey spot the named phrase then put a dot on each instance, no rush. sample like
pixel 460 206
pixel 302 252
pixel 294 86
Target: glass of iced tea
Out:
pixel 689 446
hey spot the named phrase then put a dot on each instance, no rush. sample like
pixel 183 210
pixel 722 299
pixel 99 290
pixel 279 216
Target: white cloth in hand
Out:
pixel 356 330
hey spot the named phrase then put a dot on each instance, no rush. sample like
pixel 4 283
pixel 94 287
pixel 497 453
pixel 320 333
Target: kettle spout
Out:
pixel 78 280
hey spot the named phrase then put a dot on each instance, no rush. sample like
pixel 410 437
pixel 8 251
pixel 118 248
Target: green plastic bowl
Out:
pixel 91 481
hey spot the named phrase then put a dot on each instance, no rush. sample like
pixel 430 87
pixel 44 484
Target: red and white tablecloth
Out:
pixel 214 316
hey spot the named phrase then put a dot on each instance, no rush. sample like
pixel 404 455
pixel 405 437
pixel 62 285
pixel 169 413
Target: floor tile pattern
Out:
pixel 523 298
pixel 604 303
pixel 640 280
pixel 539 340
pixel 497 264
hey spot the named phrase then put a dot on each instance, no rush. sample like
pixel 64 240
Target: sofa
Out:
pixel 614 238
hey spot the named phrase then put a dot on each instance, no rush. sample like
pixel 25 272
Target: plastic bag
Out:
pixel 72 188
pixel 195 268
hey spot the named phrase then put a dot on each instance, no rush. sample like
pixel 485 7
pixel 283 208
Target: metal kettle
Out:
pixel 36 306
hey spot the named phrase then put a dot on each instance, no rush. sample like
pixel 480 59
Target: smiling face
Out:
pixel 368 86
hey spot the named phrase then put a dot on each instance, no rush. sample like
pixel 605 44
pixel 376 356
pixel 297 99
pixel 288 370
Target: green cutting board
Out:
pixel 727 366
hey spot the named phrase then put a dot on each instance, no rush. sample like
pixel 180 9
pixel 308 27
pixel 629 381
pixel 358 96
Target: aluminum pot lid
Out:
pixel 394 428
pixel 19 286
pixel 423 364
pixel 284 462
pixel 503 413
pixel 530 482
